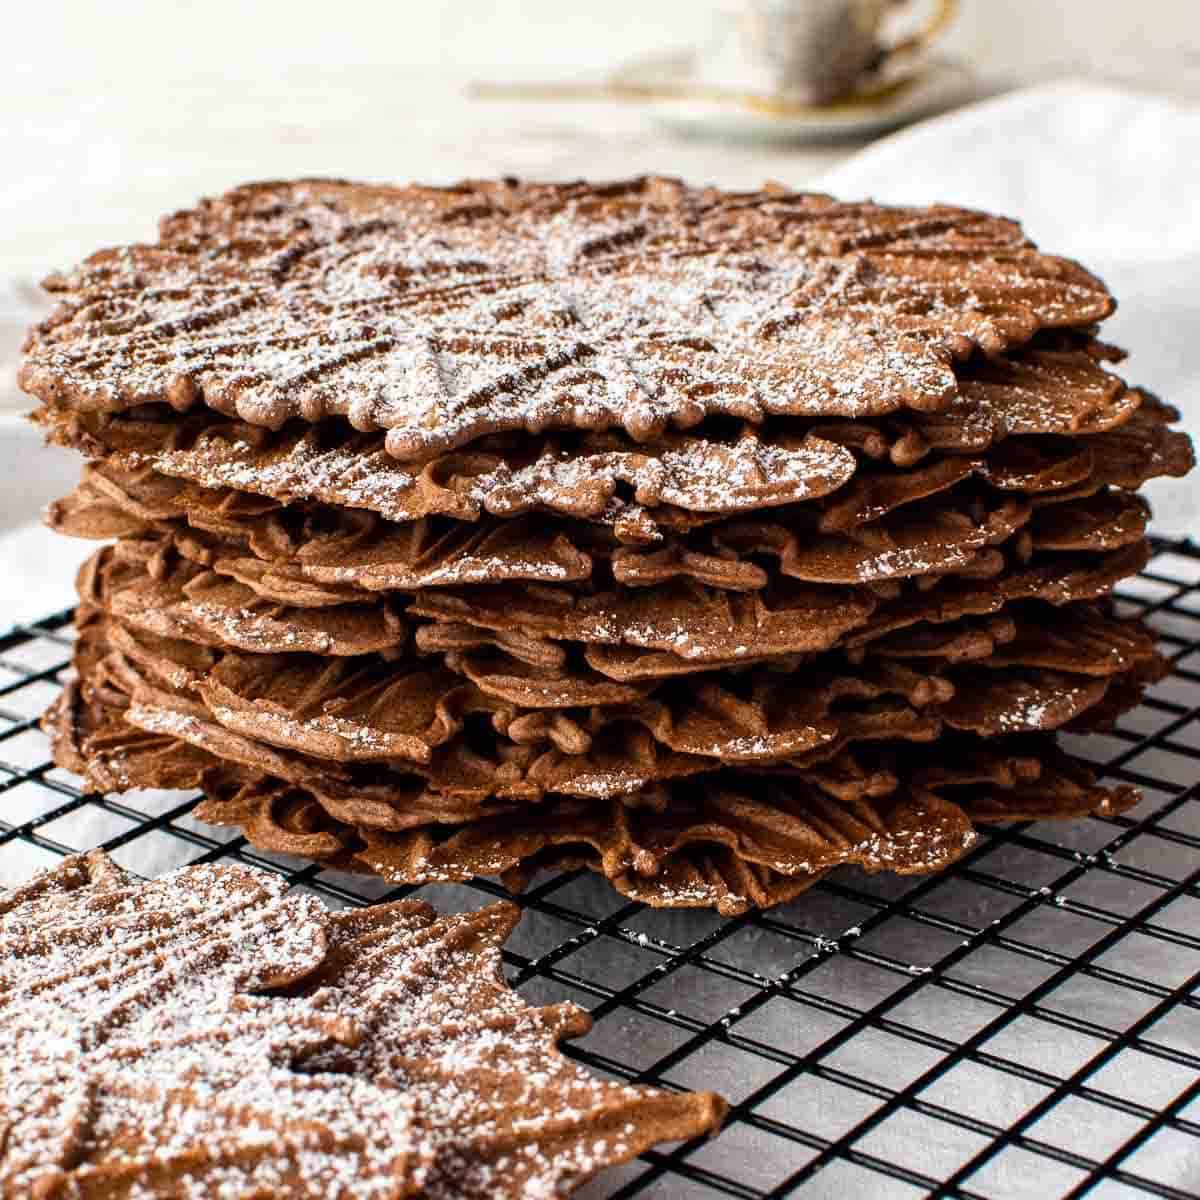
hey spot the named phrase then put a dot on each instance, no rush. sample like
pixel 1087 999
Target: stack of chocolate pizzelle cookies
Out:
pixel 708 540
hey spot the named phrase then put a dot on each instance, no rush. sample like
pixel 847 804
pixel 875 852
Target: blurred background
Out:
pixel 114 114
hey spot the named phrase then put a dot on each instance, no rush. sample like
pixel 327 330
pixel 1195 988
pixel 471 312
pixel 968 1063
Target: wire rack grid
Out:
pixel 1025 1025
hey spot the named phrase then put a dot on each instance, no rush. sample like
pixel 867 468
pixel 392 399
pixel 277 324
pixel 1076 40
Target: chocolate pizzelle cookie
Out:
pixel 207 1035
pixel 709 540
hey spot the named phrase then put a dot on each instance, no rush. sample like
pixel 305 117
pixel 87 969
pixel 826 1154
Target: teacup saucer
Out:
pixel 678 101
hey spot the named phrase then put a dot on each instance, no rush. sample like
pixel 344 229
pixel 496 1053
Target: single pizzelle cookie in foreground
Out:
pixel 139 1048
pixel 206 1035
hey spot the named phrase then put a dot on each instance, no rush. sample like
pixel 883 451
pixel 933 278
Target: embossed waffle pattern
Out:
pixel 443 315
pixel 210 1036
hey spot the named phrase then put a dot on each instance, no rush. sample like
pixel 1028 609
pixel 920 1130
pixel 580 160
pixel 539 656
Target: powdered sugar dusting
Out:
pixel 135 1052
pixel 441 317
pixel 397 1063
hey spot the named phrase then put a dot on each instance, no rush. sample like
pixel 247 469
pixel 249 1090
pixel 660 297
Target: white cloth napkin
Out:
pixel 1102 174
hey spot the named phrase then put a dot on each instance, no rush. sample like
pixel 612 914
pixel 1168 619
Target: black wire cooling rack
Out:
pixel 1023 1026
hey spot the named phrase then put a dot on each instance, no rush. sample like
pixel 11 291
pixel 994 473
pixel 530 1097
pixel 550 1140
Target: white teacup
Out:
pixel 809 51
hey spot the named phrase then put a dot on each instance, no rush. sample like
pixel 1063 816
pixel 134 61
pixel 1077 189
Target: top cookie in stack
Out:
pixel 706 539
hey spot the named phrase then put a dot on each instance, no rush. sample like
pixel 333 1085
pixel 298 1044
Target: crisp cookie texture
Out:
pixel 952 526
pixel 793 819
pixel 142 1057
pixel 143 583
pixel 442 315
pixel 1023 397
pixel 889 526
pixel 504 476
pixel 313 721
pixel 204 1035
pixel 708 540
